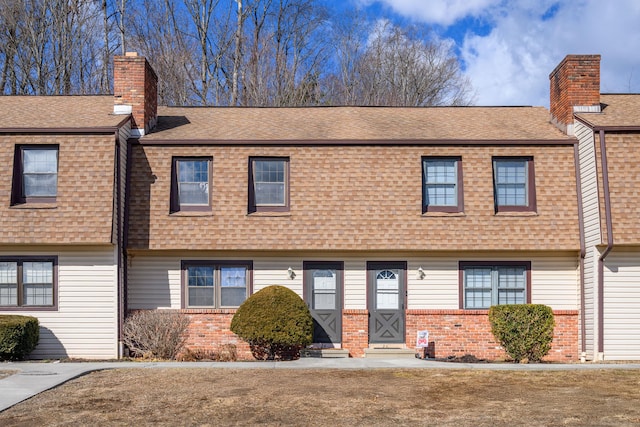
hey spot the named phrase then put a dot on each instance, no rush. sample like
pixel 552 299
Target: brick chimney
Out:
pixel 135 91
pixel 574 87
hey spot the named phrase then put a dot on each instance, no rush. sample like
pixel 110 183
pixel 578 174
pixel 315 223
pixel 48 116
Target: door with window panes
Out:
pixel 323 284
pixel 386 291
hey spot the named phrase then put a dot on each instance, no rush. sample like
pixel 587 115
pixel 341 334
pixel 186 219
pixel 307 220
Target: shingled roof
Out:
pixel 58 112
pixel 618 110
pixel 354 123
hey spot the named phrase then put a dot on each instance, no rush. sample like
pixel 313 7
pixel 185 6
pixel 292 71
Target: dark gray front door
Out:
pixel 386 301
pixel 323 294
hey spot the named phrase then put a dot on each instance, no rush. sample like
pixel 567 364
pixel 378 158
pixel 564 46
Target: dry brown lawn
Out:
pixel 383 397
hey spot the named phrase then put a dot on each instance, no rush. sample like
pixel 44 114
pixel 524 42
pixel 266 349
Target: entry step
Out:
pixel 325 353
pixel 389 353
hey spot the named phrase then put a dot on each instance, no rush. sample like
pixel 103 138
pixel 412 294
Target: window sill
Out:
pixel 33 205
pixel 269 214
pixel 517 214
pixel 204 310
pixel 443 214
pixel 28 308
pixel 191 213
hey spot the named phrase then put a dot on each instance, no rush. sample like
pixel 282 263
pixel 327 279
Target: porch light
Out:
pixel 421 273
pixel 291 273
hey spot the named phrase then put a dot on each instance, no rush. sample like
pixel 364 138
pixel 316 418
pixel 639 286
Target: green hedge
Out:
pixel 275 322
pixel 525 331
pixel 19 335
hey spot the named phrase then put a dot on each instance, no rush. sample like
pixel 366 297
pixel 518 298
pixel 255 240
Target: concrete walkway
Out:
pixel 34 377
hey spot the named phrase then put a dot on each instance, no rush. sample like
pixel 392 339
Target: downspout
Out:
pixel 119 239
pixel 607 213
pixel 583 317
pixel 125 237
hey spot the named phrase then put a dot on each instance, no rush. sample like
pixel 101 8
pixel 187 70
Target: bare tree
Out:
pixel 241 15
pixel 400 67
pixel 349 35
pixel 201 12
pixel 121 12
pixel 50 47
pixel 9 21
pixel 286 52
pixel 226 52
pixel 156 31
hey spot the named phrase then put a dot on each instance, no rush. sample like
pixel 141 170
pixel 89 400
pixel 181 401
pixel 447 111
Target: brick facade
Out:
pixel 461 332
pixel 451 333
pixel 136 84
pixel 574 82
pixel 355 331
pixel 210 329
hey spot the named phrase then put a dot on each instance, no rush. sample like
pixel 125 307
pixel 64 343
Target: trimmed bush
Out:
pixel 525 331
pixel 19 336
pixel 155 334
pixel 275 322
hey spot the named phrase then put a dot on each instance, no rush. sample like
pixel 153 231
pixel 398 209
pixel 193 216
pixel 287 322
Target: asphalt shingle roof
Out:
pixel 355 123
pixel 618 110
pixel 289 124
pixel 56 112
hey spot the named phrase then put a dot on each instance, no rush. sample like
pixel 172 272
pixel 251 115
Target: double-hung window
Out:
pixel 514 184
pixel 191 184
pixel 442 184
pixel 484 284
pixel 268 184
pixel 35 174
pixel 215 284
pixel 27 283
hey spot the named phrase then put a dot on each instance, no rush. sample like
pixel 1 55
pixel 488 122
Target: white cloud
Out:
pixel 441 12
pixel 511 64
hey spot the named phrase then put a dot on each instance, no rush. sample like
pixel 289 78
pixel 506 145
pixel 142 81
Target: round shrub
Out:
pixel 525 331
pixel 19 336
pixel 275 322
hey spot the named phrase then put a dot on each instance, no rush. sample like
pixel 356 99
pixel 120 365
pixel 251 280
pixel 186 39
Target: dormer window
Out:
pixel 191 182
pixel 268 184
pixel 35 177
pixel 514 184
pixel 442 184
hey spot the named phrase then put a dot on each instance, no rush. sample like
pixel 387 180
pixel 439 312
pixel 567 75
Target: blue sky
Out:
pixel 508 48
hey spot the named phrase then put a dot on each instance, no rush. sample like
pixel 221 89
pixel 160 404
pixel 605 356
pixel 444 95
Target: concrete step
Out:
pixel 325 353
pixel 389 353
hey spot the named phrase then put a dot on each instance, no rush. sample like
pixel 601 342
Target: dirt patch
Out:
pixel 467 358
pixel 278 397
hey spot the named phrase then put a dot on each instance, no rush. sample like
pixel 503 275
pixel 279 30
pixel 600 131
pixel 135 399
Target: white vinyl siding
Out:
pixel 622 306
pixel 355 283
pixel 154 281
pixel 438 289
pixel 85 324
pixel 274 271
pixel 592 230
